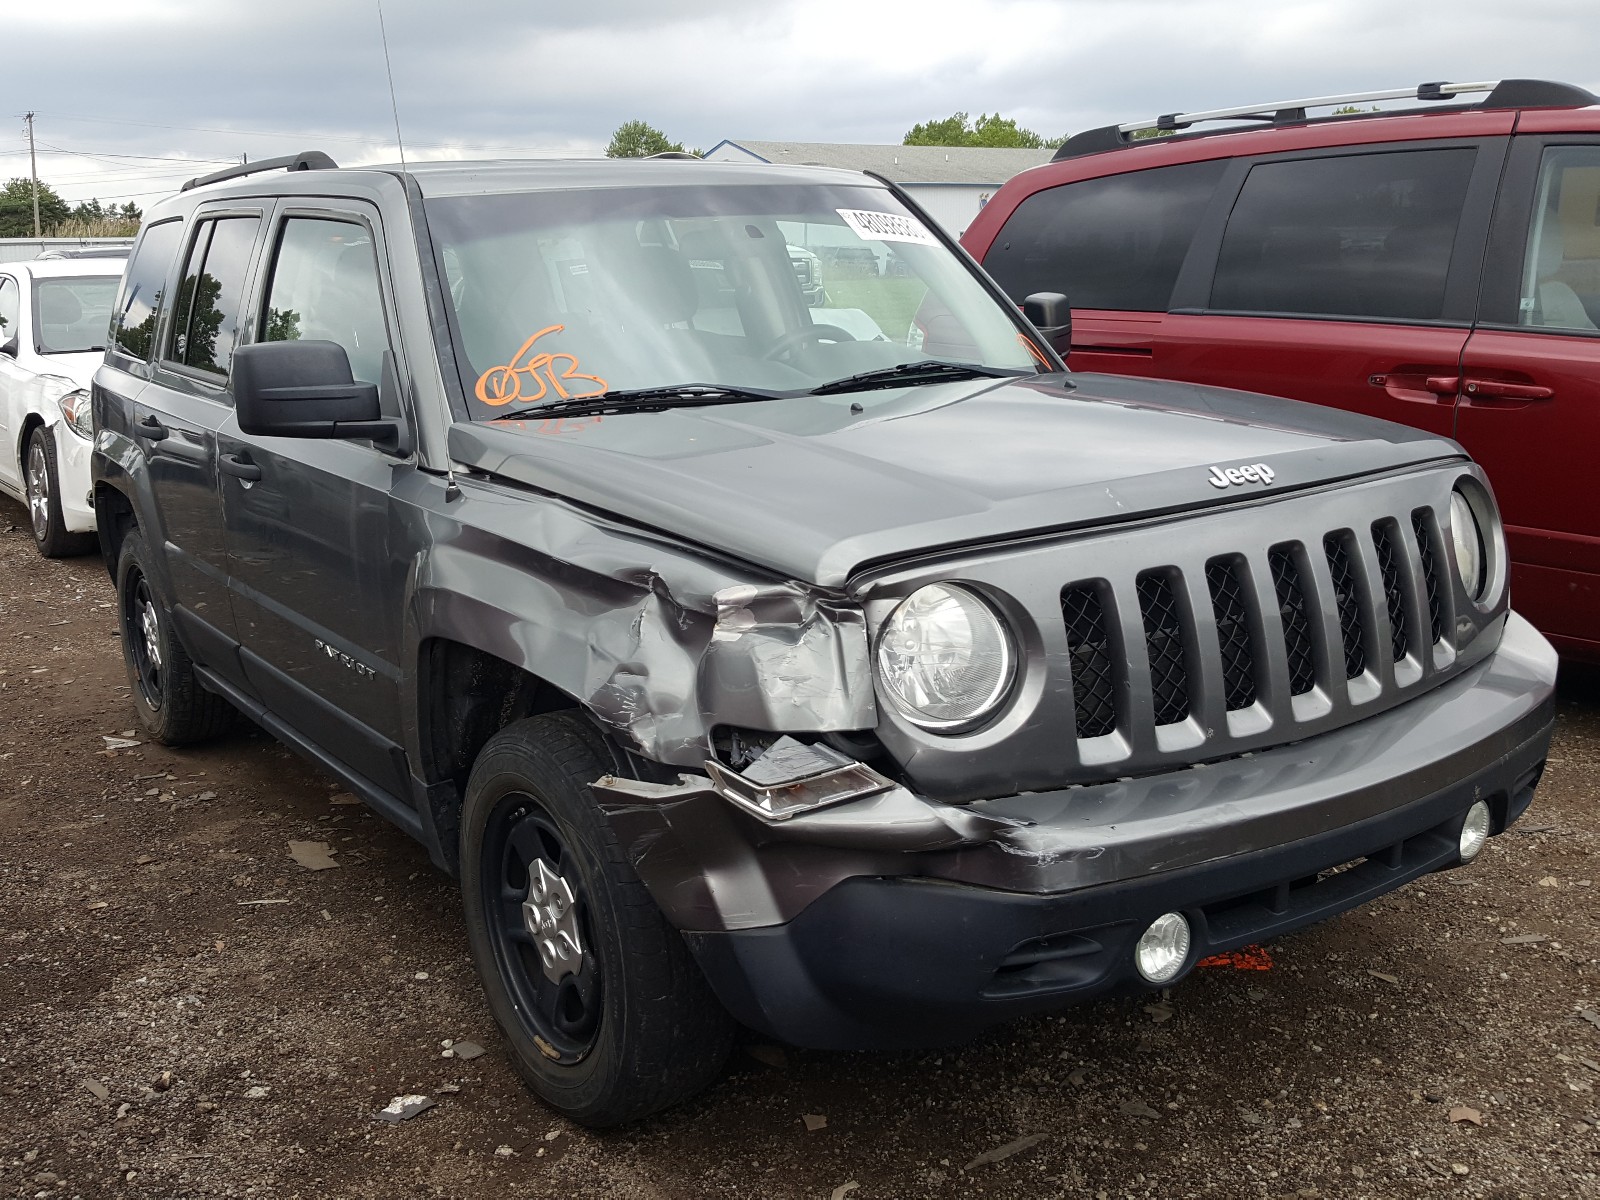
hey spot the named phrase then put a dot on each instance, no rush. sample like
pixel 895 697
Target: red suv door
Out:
pixel 1530 398
pixel 1344 277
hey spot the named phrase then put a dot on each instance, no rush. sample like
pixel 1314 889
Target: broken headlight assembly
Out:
pixel 945 658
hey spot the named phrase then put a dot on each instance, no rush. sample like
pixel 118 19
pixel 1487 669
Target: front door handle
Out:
pixel 1499 389
pixel 151 430
pixel 239 465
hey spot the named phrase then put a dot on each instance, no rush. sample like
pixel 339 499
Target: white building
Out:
pixel 951 182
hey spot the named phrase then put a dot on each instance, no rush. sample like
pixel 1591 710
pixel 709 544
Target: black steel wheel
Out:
pixel 606 1014
pixel 539 922
pixel 172 705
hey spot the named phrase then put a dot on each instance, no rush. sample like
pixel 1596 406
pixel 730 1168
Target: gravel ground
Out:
pixel 186 1011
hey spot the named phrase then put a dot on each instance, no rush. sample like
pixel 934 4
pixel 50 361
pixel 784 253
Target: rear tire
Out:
pixel 41 481
pixel 172 706
pixel 608 1017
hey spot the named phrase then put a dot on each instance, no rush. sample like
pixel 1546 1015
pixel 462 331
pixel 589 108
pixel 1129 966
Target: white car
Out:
pixel 54 314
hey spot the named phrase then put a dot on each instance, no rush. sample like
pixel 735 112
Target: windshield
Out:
pixel 72 315
pixel 782 288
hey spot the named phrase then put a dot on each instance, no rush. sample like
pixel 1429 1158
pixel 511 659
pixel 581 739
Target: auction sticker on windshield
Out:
pixel 887 227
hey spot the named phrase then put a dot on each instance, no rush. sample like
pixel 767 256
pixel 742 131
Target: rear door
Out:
pixel 1344 277
pixel 317 588
pixel 176 418
pixel 1530 398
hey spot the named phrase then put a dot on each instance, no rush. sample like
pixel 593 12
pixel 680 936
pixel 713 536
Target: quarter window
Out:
pixel 207 317
pixel 1561 276
pixel 10 309
pixel 325 286
pixel 134 320
pixel 1117 242
pixel 1365 235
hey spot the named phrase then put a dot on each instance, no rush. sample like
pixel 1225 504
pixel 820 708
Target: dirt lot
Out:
pixel 185 1011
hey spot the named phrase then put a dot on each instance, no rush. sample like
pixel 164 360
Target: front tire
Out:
pixel 42 487
pixel 172 706
pixel 608 1017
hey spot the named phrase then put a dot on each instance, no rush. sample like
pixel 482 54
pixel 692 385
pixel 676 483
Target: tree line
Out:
pixel 57 218
pixel 640 139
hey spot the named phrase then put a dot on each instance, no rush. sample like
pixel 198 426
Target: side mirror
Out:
pixel 9 346
pixel 304 389
pixel 1051 314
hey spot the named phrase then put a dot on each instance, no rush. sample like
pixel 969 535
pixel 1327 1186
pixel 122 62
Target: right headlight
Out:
pixel 1472 559
pixel 78 412
pixel 944 657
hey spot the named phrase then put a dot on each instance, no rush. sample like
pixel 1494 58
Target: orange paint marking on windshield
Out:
pixel 503 385
pixel 1034 350
pixel 552 426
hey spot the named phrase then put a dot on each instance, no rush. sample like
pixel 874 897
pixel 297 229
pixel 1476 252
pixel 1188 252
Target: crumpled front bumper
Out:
pixel 894 920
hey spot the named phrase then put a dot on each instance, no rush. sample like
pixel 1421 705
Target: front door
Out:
pixel 1530 397
pixel 316 584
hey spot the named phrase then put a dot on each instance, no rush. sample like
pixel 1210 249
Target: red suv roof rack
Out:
pixel 1499 93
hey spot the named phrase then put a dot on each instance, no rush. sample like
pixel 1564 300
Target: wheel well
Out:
pixel 29 423
pixel 113 516
pixel 466 697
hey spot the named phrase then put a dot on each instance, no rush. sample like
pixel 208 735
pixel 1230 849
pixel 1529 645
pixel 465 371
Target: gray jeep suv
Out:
pixel 854 673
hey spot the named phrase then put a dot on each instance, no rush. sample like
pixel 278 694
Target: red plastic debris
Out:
pixel 1251 958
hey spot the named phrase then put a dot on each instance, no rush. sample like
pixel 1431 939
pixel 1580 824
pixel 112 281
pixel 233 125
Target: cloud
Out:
pixel 477 77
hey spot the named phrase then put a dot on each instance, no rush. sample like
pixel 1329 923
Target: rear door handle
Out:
pixel 1497 389
pixel 151 430
pixel 240 466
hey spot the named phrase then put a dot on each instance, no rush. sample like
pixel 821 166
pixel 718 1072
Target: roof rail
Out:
pixel 306 160
pixel 1499 93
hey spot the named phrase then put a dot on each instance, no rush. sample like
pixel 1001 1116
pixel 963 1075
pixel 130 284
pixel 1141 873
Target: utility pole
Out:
pixel 33 164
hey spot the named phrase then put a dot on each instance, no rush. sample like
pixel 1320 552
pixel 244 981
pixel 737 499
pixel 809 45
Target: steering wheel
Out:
pixel 811 333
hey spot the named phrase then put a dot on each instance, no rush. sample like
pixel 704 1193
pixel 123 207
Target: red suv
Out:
pixel 1437 266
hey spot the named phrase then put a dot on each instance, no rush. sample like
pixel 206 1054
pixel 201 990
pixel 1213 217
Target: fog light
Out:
pixel 1474 831
pixel 1163 948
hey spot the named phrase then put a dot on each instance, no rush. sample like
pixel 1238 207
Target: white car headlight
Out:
pixel 1467 535
pixel 944 657
pixel 78 412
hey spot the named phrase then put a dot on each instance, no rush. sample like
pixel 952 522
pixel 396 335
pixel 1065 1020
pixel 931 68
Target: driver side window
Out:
pixel 325 287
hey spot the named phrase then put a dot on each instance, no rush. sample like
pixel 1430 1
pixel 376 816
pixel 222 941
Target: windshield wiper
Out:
pixel 651 399
pixel 906 374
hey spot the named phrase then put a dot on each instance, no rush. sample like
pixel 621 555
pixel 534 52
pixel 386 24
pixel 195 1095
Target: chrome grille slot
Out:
pixel 1093 676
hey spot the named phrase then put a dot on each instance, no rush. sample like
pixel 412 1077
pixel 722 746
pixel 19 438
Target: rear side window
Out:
pixel 1561 276
pixel 133 327
pixel 1116 242
pixel 1363 235
pixel 206 321
pixel 10 308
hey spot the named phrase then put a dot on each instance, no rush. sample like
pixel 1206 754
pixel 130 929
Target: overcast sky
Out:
pixel 212 79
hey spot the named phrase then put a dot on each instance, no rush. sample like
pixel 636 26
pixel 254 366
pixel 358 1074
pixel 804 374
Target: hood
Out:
pixel 814 488
pixel 78 368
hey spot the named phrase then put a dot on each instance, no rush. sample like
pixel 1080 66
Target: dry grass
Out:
pixel 96 227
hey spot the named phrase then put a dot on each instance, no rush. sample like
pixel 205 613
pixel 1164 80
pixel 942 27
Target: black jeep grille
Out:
pixel 1233 634
pixel 1296 622
pixel 1093 677
pixel 1384 536
pixel 1430 573
pixel 1163 640
pixel 1348 602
